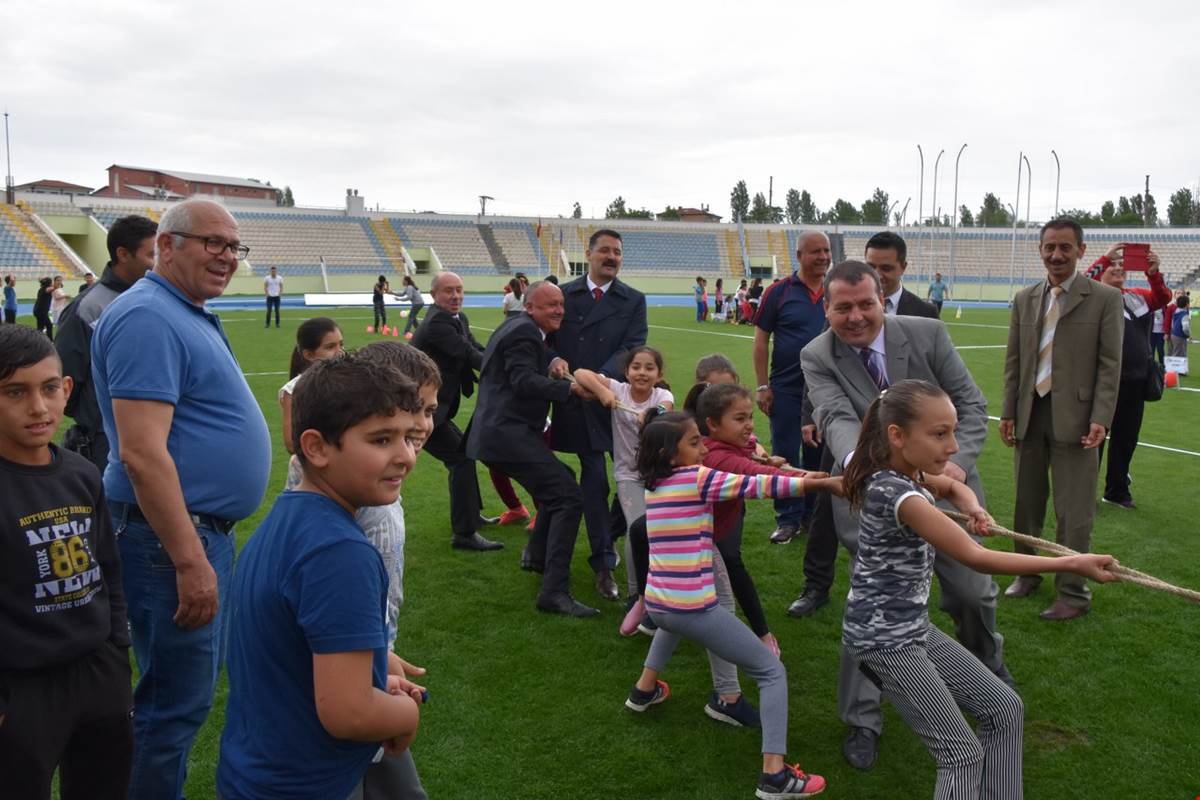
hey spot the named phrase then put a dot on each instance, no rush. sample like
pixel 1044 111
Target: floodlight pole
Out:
pixel 1057 179
pixel 887 220
pixel 1028 197
pixel 904 214
pixel 936 211
pixel 9 194
pixel 954 219
pixel 920 203
pixel 1012 262
pixel 483 199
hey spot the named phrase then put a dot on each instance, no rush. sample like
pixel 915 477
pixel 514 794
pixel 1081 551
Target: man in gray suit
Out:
pixel 863 352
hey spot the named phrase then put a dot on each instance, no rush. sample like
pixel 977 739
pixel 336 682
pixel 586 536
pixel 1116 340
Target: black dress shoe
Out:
pixel 861 748
pixel 606 587
pixel 808 602
pixel 529 564
pixel 473 541
pixel 564 604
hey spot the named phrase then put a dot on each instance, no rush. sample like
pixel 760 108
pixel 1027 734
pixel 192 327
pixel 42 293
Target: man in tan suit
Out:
pixel 1061 375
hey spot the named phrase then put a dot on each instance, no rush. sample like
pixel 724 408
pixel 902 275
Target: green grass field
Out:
pixel 525 705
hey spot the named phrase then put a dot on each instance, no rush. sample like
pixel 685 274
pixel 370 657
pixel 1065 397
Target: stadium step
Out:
pixel 390 241
pixel 494 249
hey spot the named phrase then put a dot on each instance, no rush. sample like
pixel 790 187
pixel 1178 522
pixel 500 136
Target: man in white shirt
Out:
pixel 273 289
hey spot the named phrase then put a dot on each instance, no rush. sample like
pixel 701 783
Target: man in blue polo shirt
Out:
pixel 190 456
pixel 793 311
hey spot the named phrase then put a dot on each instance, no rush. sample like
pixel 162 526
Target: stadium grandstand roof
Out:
pixel 199 177
pixel 50 185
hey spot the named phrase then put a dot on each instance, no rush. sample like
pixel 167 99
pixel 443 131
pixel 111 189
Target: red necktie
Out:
pixel 598 293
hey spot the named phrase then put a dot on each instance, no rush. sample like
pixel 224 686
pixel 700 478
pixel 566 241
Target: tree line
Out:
pixel 1136 210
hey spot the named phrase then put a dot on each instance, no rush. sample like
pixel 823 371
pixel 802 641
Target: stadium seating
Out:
pixel 25 251
pixel 297 242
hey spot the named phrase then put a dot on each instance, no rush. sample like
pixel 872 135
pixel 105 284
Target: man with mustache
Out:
pixel 506 434
pixel 603 319
pixel 1062 373
pixel 846 367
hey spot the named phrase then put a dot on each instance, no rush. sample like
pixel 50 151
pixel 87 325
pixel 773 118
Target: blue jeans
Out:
pixel 178 667
pixel 787 441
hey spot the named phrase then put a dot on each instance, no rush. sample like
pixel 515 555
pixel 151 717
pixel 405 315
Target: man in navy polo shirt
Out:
pixel 793 311
pixel 190 456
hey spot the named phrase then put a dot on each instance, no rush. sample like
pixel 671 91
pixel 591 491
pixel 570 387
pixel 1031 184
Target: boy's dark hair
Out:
pixel 602 232
pixel 657 446
pixel 338 393
pixel 1182 301
pixel 308 337
pixel 411 362
pixel 550 279
pixel 658 361
pixel 886 240
pixel 714 362
pixel 22 346
pixel 899 404
pixel 129 232
pixel 1060 224
pixel 852 272
pixel 714 401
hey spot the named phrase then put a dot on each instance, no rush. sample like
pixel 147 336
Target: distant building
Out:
pixel 143 183
pixel 47 186
pixel 689 215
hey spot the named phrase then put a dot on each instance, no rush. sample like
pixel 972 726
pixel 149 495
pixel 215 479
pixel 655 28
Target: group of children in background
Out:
pixel 736 308
pixel 319 703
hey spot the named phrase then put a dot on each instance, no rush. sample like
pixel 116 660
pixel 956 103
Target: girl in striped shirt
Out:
pixel 680 595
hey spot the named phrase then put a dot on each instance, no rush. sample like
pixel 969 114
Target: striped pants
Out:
pixel 927 685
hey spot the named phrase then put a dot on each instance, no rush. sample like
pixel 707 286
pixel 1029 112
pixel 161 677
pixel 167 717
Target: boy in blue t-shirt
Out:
pixel 314 697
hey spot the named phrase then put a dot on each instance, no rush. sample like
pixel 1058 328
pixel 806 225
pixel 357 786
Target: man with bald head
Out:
pixel 446 337
pixel 175 408
pixel 515 392
pixel 792 311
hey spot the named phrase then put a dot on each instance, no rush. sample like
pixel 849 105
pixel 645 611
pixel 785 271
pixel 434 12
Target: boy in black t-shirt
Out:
pixel 65 696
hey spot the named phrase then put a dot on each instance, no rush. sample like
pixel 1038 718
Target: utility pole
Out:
pixel 1145 205
pixel 9 194
pixel 770 191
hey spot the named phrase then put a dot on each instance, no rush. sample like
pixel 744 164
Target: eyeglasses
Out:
pixel 215 246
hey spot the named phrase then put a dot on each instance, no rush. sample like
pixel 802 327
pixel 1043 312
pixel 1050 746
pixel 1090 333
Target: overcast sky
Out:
pixel 428 105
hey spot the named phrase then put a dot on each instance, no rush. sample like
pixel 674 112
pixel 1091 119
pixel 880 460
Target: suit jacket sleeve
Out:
pixel 956 380
pixel 834 414
pixel 74 351
pixel 1012 361
pixel 635 336
pixel 455 346
pixel 522 361
pixel 1108 370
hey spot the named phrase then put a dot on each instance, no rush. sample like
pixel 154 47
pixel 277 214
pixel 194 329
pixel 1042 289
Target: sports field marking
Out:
pixel 1147 444
pixel 976 325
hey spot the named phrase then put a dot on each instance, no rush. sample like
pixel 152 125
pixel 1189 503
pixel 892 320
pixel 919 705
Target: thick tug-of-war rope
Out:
pixel 620 405
pixel 1123 573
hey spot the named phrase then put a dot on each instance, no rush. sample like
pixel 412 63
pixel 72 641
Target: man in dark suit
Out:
pixel 506 434
pixel 603 319
pixel 445 336
pixel 887 254
pixel 846 367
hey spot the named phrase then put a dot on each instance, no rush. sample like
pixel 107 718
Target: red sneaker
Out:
pixel 514 515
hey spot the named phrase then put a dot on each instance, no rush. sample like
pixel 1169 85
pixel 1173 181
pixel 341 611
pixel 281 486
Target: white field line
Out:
pixel 1146 444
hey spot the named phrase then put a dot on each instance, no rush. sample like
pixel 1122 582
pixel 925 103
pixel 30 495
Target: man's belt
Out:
pixel 218 524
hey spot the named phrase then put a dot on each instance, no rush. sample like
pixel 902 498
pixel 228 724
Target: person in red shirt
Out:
pixel 1140 305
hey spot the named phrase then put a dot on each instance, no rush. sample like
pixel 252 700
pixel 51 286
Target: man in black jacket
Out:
pixel 131 255
pixel 506 434
pixel 445 336
pixel 887 254
pixel 603 319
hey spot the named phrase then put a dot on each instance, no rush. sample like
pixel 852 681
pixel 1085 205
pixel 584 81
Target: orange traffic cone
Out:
pixel 370 329
pixel 1171 380
pixel 395 333
pixel 384 330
